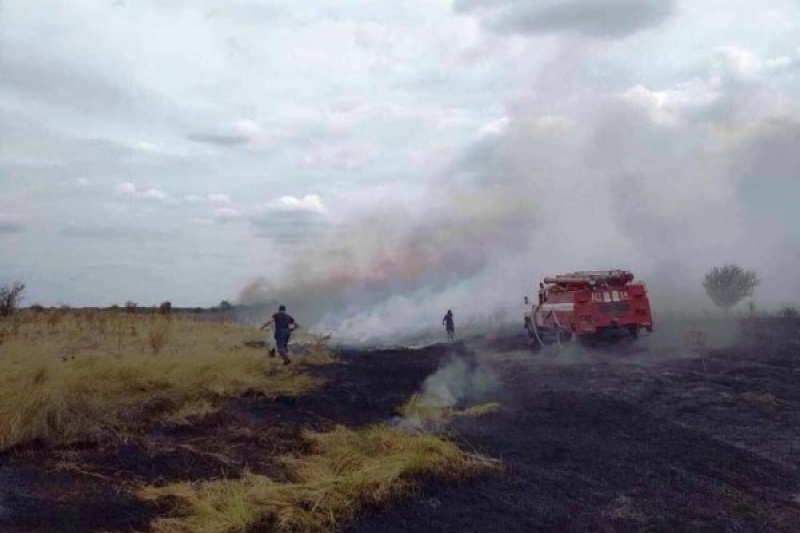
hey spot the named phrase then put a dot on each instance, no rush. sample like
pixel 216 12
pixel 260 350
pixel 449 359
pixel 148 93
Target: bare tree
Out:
pixel 10 297
pixel 728 285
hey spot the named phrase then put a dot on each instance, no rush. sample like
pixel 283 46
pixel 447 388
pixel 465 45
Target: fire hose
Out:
pixel 559 327
pixel 535 328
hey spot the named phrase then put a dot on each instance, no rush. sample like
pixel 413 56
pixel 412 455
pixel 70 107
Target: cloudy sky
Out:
pixel 380 161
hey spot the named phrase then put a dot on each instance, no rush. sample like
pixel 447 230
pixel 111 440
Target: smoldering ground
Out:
pixel 577 175
pixel 466 377
pixel 474 372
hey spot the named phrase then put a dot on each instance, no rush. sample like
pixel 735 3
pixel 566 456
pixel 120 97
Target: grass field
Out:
pixel 103 377
pixel 73 375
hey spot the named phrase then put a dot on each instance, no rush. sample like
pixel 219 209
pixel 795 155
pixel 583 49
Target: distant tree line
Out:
pixel 11 297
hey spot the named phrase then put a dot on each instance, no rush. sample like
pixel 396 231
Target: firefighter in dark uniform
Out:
pixel 284 325
pixel 447 321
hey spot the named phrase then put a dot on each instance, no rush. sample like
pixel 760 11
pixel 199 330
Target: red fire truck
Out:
pixel 594 305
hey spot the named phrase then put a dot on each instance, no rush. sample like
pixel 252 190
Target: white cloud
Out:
pixel 310 203
pixel 495 127
pixel 781 62
pixel 147 146
pixel 218 198
pixel 668 105
pixel 154 194
pixel 227 213
pixel 126 189
pixel 247 128
pixel 654 102
pixel 132 191
pixel 336 155
pixel 738 63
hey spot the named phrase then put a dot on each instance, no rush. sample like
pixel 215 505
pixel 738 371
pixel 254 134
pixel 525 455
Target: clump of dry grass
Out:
pixel 419 411
pixel 190 411
pixel 479 410
pixel 418 407
pixel 764 399
pixel 348 471
pixel 70 375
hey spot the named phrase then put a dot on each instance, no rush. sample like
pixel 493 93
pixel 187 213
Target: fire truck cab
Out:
pixel 591 305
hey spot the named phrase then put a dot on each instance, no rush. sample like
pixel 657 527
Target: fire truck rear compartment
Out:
pixel 589 306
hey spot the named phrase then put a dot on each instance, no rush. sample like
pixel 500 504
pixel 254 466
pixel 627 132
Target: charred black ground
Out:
pixel 645 438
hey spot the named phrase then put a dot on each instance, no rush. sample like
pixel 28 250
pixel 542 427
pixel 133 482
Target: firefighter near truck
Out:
pixel 591 306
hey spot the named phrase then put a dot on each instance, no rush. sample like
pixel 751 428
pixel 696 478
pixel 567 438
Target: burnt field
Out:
pixel 683 431
pixel 647 437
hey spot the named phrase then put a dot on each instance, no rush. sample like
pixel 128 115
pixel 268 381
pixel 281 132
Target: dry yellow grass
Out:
pixel 348 471
pixel 420 411
pixel 479 410
pixel 69 375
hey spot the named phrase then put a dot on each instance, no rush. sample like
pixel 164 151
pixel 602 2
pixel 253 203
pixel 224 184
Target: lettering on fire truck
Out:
pixel 609 296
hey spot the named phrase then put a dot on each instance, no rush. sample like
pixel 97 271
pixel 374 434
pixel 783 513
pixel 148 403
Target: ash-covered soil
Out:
pixel 650 436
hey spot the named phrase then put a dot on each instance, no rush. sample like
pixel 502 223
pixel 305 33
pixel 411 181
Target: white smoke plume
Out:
pixel 458 382
pixel 578 176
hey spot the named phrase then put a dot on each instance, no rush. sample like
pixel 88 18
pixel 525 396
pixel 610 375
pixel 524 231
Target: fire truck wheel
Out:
pixel 533 342
pixel 564 336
